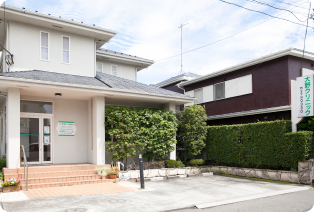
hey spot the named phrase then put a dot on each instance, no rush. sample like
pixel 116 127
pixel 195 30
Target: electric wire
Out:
pixel 220 39
pixel 213 102
pixel 265 4
pixel 307 22
pixel 261 13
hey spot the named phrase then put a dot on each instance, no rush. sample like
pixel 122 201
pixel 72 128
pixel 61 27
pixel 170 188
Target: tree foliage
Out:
pixel 131 130
pixel 192 130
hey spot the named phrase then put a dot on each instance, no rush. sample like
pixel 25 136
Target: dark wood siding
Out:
pixel 270 88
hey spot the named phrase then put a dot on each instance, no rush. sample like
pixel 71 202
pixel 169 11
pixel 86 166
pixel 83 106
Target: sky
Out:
pixel 149 29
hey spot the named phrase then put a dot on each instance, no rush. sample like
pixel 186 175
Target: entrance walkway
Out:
pixel 87 189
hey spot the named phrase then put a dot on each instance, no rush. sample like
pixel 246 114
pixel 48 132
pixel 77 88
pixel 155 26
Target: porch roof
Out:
pixel 101 80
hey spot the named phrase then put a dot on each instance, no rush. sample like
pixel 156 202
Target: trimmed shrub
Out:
pixel 262 144
pixel 173 163
pixel 196 162
pixel 3 162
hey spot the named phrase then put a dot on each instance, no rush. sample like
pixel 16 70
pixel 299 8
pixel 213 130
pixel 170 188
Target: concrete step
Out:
pixel 51 174
pixel 60 179
pixel 68 183
pixel 53 168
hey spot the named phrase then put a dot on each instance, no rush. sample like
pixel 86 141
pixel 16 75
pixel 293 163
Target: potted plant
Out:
pixel 103 175
pixel 104 170
pixel 98 171
pixel 113 172
pixel 11 185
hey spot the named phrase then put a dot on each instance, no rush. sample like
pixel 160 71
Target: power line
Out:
pixel 222 39
pixel 307 22
pixel 213 102
pixel 262 13
pixel 282 2
pixel 265 4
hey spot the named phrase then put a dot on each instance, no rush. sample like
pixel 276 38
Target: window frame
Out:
pixel 116 70
pixel 215 99
pixel 40 45
pixel 65 36
pixel 102 66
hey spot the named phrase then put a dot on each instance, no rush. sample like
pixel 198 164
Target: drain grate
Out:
pixel 76 210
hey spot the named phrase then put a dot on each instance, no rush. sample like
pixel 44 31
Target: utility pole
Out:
pixel 181 26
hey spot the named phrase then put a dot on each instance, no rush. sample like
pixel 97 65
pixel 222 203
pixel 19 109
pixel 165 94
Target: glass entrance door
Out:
pixel 36 136
pixel 29 137
pixel 46 150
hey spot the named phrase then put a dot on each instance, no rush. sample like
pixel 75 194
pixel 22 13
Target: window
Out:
pixel 44 46
pixel 198 94
pixel 177 107
pixel 66 49
pixel 220 91
pixel 190 94
pixel 36 107
pixel 99 67
pixel 114 70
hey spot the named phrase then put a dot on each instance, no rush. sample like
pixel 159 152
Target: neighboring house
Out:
pixel 172 84
pixel 258 90
pixel 55 88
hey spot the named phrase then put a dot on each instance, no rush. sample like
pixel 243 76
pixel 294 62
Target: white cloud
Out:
pixel 149 29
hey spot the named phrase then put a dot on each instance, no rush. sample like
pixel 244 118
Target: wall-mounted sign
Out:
pixel 305 96
pixel 66 128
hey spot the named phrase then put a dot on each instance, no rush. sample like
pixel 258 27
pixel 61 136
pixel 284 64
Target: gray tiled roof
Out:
pixel 188 74
pixel 101 80
pixel 123 54
pixel 125 84
pixel 55 77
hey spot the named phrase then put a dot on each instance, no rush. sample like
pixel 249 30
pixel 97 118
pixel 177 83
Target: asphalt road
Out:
pixel 294 202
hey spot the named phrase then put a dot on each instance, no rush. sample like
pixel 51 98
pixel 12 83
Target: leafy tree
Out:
pixel 192 130
pixel 122 125
pixel 159 129
pixel 131 130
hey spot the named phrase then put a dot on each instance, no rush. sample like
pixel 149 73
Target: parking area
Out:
pixel 160 196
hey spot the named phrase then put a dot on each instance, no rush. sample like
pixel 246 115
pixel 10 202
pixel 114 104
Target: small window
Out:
pixel 114 70
pixel 44 46
pixel 198 95
pixel 66 49
pixel 99 67
pixel 177 107
pixel 220 91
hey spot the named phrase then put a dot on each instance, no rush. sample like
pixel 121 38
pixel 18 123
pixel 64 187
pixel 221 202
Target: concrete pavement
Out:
pixel 301 201
pixel 162 196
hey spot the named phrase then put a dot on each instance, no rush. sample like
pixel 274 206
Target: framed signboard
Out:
pixel 305 96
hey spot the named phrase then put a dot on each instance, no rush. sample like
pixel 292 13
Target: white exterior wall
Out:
pixel 123 70
pixel 98 121
pixel 24 43
pixel 13 125
pixel 68 149
pixel 172 107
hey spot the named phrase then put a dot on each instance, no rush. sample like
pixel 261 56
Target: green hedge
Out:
pixel 262 144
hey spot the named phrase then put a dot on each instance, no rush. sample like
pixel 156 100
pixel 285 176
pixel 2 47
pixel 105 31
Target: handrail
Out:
pixel 25 164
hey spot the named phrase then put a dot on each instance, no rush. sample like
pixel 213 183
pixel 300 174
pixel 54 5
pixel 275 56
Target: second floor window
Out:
pixel 114 70
pixel 220 91
pixel 44 46
pixel 66 50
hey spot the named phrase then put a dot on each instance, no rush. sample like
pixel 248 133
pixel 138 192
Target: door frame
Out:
pixel 41 117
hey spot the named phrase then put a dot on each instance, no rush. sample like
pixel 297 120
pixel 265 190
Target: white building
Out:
pixel 54 75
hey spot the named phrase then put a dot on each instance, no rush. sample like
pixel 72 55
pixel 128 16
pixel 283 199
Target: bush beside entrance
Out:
pixel 262 144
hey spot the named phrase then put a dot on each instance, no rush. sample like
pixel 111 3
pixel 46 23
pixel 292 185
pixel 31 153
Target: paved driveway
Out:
pixel 160 196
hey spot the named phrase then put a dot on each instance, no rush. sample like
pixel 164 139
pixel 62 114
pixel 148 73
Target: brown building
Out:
pixel 258 90
pixel 172 84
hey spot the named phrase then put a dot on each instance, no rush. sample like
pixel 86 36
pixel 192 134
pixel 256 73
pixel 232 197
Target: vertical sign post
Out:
pixel 141 171
pixel 305 96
